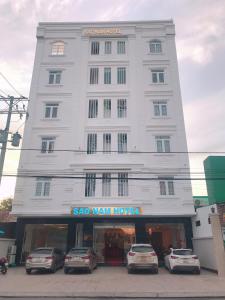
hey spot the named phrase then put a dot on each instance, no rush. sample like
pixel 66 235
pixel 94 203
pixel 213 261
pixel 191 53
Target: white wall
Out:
pixel 4 245
pixel 72 125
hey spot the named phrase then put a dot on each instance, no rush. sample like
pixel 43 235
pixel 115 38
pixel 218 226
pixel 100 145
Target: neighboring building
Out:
pixel 106 125
pixel 214 167
pixel 200 201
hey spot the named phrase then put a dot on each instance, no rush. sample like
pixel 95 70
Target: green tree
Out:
pixel 6 204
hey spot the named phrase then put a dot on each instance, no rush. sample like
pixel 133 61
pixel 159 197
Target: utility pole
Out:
pixel 13 107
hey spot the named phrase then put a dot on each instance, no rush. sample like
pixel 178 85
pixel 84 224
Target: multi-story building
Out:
pixel 104 159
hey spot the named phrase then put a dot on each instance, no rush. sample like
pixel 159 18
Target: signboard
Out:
pixel 106 211
pixel 102 31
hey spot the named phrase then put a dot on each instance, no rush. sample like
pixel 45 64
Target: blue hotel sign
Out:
pixel 106 211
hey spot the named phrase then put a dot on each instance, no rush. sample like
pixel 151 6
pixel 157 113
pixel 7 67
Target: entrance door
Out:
pixel 112 241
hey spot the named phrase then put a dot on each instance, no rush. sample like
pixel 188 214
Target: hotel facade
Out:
pixel 104 158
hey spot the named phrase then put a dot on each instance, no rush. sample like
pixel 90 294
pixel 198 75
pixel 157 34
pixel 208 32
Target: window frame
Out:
pixel 54 77
pixel 107 75
pixel 92 139
pixel 51 110
pixel 121 75
pixel 107 145
pixel 166 186
pixel 155 46
pixel 163 143
pixel 108 48
pixel 122 108
pixel 107 108
pixel 123 187
pixel 158 76
pixel 58 48
pixel 162 107
pixel 93 108
pixel 121 47
pixel 106 184
pixel 42 187
pixel 48 144
pixel 90 185
pixel 94 75
pixel 95 47
pixel 122 142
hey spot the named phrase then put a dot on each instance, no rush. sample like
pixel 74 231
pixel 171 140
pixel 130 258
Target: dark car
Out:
pixel 49 259
pixel 80 258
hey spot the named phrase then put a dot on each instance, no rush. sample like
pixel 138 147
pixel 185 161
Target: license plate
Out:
pixel 37 260
pixel 185 261
pixel 76 259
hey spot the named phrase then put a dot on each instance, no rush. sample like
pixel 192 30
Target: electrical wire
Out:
pixel 11 85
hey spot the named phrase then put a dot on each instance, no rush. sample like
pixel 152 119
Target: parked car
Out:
pixel 142 256
pixel 45 259
pixel 80 258
pixel 182 260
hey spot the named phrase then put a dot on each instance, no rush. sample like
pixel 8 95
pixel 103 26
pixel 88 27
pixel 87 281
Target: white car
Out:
pixel 182 260
pixel 142 256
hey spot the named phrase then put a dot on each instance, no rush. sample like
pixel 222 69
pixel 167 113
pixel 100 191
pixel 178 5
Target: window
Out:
pixel 106 143
pixel 122 142
pixel 121 47
pixel 162 143
pixel 93 109
pixel 106 184
pixel 94 48
pixel 197 223
pixel 54 77
pixel 107 108
pixel 94 76
pixel 123 184
pixel 107 75
pixel 155 46
pixel 91 143
pixel 166 187
pixel 108 47
pixel 47 144
pixel 121 108
pixel 160 108
pixel 51 110
pixel 58 48
pixel 90 185
pixel 158 76
pixel 121 75
pixel 42 187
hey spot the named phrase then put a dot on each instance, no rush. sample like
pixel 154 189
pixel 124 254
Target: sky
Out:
pixel 200 40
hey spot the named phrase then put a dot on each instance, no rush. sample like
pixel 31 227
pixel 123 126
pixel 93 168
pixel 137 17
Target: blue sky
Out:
pixel 200 39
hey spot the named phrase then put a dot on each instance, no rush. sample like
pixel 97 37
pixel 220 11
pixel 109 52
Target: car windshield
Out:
pixel 42 251
pixel 79 251
pixel 183 252
pixel 142 249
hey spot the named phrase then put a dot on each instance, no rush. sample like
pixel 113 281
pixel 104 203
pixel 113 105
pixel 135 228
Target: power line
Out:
pixel 11 84
pixel 122 153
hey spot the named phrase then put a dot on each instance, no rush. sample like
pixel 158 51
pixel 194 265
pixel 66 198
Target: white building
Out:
pixel 105 125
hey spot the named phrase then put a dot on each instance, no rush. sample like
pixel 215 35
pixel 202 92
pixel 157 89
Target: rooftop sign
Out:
pixel 102 31
pixel 106 211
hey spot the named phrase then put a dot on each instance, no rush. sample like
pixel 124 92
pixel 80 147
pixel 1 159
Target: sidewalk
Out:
pixel 110 282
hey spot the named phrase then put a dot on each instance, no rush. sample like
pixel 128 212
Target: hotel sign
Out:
pixel 106 211
pixel 102 31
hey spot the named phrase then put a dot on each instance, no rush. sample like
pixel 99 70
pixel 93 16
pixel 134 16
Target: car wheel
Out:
pixel 66 270
pixel 4 270
pixel 53 269
pixel 28 271
pixel 90 270
pixel 198 272
pixel 129 270
pixel 156 271
pixel 171 271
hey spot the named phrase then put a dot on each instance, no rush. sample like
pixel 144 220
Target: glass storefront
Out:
pixel 165 236
pixel 44 235
pixel 112 241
